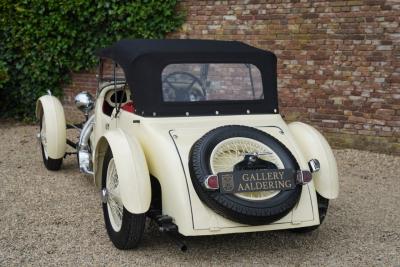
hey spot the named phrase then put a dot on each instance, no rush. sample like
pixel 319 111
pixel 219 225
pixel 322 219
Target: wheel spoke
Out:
pixel 231 151
pixel 115 197
pixel 114 203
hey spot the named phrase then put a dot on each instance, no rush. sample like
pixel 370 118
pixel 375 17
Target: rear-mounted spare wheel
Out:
pixel 223 150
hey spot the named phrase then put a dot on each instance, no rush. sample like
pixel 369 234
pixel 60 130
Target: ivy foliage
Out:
pixel 43 42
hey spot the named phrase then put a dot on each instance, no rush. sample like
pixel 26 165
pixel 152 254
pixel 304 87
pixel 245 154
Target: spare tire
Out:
pixel 220 150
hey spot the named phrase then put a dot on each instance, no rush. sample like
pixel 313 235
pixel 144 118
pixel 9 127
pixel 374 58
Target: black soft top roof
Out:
pixel 144 60
pixel 125 52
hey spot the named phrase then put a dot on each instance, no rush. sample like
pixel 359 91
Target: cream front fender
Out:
pixel 314 146
pixel 133 174
pixel 56 132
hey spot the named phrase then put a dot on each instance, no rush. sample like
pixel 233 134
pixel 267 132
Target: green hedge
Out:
pixel 43 42
pixel 3 74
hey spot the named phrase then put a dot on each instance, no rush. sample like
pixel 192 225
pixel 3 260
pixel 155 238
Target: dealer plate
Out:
pixel 256 180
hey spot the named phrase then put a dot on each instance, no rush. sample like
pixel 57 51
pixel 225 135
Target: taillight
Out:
pixel 303 177
pixel 211 182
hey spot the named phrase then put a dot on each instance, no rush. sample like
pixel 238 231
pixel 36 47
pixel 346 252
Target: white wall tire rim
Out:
pixel 230 151
pixel 114 203
pixel 43 137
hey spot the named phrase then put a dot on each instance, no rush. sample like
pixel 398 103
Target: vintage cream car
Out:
pixel 188 133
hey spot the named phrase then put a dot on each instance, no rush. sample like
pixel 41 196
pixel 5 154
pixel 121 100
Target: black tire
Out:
pixel 323 205
pixel 228 205
pixel 49 163
pixel 132 228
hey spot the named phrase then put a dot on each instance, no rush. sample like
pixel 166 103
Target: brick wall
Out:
pixel 80 82
pixel 338 61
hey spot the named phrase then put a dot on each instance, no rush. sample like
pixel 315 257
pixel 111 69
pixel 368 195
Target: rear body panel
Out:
pixel 166 144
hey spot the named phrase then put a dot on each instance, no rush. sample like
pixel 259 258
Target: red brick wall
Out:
pixel 80 82
pixel 338 61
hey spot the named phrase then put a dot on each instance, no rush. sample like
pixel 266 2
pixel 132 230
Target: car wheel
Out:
pixel 125 229
pixel 323 205
pixel 222 150
pixel 51 164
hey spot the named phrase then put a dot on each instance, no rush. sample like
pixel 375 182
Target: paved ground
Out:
pixel 55 218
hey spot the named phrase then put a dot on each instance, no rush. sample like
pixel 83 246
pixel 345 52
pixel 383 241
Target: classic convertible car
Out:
pixel 188 133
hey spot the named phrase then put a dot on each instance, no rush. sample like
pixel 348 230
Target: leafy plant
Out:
pixel 43 42
pixel 3 74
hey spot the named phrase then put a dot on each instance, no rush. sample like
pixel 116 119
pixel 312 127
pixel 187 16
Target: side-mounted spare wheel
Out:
pixel 222 150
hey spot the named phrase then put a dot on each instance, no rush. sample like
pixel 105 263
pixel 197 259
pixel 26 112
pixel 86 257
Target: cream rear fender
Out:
pixel 132 170
pixel 56 131
pixel 314 146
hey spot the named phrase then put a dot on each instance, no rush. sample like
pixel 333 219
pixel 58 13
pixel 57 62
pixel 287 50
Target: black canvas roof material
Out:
pixel 144 60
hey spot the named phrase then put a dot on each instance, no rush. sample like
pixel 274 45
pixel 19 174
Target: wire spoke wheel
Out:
pixel 114 203
pixel 43 138
pixel 231 151
pixel 124 228
pixel 48 142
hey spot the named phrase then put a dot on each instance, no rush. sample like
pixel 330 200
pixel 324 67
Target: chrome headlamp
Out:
pixel 84 102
